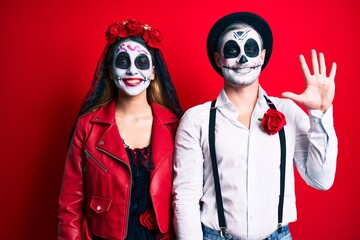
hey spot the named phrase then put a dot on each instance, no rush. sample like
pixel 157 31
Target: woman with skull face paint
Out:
pixel 118 172
pixel 234 156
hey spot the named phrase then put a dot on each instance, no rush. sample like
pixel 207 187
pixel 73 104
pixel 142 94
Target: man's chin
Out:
pixel 240 82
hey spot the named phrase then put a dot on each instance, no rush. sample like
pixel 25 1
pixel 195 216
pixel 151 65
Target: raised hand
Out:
pixel 320 89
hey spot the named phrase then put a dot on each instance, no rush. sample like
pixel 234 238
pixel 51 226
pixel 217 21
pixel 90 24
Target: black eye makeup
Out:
pixel 231 49
pixel 122 60
pixel 142 62
pixel 251 48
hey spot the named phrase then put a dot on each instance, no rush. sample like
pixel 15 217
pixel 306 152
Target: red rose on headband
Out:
pixel 113 32
pixel 148 220
pixel 273 121
pixel 152 37
pixel 131 27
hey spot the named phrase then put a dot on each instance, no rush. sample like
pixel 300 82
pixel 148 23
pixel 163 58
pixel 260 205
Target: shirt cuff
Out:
pixel 319 121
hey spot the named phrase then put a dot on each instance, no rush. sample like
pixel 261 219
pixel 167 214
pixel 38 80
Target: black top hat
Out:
pixel 255 21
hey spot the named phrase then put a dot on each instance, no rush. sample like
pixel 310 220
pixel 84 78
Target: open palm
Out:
pixel 320 89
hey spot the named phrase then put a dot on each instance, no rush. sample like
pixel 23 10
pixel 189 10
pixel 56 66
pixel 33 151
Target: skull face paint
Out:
pixel 132 67
pixel 240 56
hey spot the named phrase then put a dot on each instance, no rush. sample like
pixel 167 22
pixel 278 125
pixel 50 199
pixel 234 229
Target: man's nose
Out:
pixel 243 59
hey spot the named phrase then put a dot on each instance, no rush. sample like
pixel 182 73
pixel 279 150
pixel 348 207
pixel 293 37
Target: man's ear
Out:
pixel 263 53
pixel 217 59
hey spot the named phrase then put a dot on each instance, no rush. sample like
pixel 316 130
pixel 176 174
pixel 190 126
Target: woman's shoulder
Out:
pixel 162 113
pixel 103 113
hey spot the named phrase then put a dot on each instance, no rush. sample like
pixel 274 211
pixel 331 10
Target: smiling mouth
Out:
pixel 242 69
pixel 132 82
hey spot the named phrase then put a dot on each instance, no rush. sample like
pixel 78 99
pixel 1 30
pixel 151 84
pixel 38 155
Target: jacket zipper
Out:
pixel 99 164
pixel 129 191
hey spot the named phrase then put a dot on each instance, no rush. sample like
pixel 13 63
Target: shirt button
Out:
pixel 98 208
pixel 101 142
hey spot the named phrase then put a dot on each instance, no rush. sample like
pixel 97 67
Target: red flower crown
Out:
pixel 131 27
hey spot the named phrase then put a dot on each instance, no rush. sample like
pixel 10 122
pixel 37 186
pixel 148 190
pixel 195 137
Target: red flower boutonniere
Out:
pixel 148 220
pixel 273 121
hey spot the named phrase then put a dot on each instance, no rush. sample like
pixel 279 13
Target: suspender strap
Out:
pixel 282 169
pixel 219 202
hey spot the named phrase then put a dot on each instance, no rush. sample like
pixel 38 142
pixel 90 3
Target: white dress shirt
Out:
pixel 249 167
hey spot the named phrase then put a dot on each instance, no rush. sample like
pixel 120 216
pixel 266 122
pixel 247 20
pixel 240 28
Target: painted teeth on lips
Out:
pixel 242 70
pixel 132 81
pixel 245 67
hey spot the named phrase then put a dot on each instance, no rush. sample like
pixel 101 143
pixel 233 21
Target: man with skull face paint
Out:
pixel 118 171
pixel 233 174
pixel 241 59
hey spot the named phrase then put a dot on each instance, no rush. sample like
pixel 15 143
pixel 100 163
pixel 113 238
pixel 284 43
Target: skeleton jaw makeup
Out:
pixel 240 57
pixel 132 67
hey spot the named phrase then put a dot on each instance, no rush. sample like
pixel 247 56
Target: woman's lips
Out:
pixel 132 82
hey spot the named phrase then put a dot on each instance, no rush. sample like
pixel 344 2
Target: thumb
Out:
pixel 292 96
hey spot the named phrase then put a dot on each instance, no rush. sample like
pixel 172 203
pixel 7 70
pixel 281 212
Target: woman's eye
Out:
pixel 122 61
pixel 142 62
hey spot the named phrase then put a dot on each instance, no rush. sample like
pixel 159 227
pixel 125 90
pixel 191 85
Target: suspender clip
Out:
pixel 279 228
pixel 222 232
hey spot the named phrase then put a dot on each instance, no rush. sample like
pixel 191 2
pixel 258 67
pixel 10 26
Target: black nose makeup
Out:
pixel 243 59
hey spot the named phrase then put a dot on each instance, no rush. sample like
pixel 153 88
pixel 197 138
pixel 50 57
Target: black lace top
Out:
pixel 141 164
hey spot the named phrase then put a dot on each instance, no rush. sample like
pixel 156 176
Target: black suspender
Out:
pixel 282 169
pixel 220 207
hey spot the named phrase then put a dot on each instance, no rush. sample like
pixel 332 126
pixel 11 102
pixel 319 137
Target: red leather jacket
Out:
pixel 95 194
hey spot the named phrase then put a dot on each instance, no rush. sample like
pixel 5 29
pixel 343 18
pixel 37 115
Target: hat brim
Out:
pixel 255 21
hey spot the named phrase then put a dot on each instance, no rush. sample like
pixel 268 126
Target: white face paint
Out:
pixel 240 57
pixel 132 67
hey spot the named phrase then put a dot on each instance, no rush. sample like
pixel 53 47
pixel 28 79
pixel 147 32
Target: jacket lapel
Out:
pixel 110 141
pixel 162 139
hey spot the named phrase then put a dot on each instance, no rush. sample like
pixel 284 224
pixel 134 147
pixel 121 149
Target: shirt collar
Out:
pixel 261 100
pixel 223 101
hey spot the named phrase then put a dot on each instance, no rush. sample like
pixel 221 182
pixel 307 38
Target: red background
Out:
pixel 49 50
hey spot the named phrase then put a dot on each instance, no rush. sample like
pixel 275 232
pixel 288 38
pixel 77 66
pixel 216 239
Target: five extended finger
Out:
pixel 333 71
pixel 304 66
pixel 315 63
pixel 322 64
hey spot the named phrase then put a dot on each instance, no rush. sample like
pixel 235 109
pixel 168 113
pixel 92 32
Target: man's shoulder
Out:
pixel 199 109
pixel 197 114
